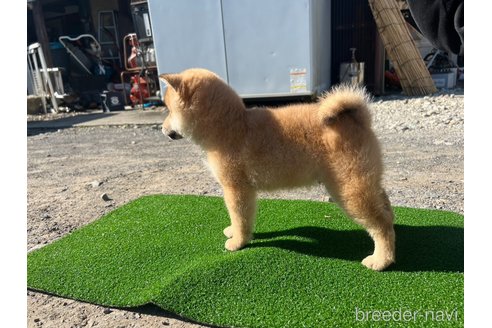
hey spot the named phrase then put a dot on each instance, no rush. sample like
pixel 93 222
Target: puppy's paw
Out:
pixel 228 232
pixel 376 263
pixel 234 244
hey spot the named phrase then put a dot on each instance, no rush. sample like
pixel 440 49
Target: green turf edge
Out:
pixel 219 200
pixel 60 246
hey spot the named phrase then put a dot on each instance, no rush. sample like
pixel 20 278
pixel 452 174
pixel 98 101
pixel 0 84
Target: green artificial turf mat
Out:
pixel 302 270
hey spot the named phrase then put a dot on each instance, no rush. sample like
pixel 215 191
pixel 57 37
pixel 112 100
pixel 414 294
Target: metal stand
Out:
pixel 40 75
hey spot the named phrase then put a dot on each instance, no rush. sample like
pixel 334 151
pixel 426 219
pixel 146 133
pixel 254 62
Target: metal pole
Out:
pixel 33 66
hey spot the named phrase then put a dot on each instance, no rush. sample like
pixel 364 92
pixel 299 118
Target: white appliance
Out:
pixel 262 48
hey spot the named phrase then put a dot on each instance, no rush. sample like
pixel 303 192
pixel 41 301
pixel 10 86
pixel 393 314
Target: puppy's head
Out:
pixel 185 97
pixel 201 107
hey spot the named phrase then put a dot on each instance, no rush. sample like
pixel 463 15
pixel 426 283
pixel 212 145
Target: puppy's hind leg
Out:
pixel 372 210
pixel 241 205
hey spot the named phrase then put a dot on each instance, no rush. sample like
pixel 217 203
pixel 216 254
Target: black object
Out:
pixel 141 22
pixel 441 22
pixel 440 62
pixel 112 101
pixel 60 58
pixel 82 83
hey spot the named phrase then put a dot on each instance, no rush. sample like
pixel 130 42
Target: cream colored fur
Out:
pixel 330 141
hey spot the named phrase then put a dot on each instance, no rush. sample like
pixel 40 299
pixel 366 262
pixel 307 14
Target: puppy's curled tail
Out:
pixel 345 101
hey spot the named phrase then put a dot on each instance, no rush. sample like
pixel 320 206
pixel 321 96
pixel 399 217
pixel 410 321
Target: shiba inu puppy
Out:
pixel 248 150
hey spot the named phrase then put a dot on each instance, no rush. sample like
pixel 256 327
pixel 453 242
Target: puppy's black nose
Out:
pixel 173 135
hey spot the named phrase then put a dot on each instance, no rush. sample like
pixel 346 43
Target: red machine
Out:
pixel 139 90
pixel 141 67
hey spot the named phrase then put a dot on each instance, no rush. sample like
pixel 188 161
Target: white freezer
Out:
pixel 262 48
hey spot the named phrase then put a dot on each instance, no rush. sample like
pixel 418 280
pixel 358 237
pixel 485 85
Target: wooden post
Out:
pixel 414 77
pixel 41 34
pixel 379 65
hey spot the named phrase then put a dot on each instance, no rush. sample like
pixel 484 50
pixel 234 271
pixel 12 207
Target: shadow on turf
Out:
pixel 427 248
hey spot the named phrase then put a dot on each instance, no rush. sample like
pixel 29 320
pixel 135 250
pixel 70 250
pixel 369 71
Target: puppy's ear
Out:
pixel 176 82
pixel 173 80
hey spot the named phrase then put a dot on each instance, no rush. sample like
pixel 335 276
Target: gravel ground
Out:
pixel 70 170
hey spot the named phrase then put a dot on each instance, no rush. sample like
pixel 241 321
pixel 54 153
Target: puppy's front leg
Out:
pixel 241 204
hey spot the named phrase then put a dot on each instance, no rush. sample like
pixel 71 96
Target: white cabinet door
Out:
pixel 268 46
pixel 188 33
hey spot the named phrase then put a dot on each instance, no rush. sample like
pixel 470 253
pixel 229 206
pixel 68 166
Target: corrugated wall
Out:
pixel 353 26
